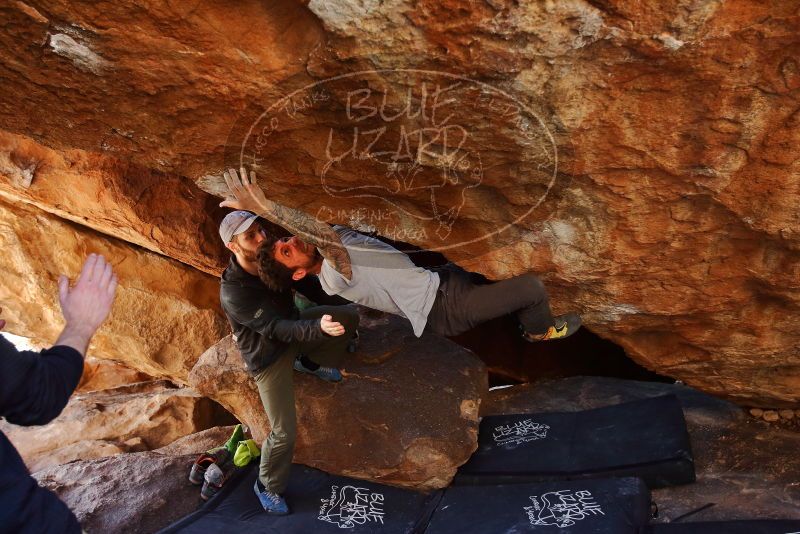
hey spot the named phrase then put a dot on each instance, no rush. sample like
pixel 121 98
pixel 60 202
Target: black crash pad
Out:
pixel 646 439
pixel 599 506
pixel 766 526
pixel 319 503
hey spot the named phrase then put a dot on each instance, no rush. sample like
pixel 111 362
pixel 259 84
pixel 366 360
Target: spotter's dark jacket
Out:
pixel 34 388
pixel 265 322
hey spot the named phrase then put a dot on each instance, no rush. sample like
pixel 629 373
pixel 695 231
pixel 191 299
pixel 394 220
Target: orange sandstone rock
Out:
pixel 124 419
pixel 164 316
pixel 104 374
pixel 641 158
pixel 161 212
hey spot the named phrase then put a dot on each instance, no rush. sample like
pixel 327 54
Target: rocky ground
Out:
pixel 785 418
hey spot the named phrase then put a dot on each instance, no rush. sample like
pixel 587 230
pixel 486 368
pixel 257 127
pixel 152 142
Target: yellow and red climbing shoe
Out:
pixel 565 326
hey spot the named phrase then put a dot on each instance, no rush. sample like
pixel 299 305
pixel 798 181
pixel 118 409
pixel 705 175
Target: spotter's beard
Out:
pixel 250 256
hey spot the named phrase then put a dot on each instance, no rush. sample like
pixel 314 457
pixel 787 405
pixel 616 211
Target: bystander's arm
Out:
pixel 34 388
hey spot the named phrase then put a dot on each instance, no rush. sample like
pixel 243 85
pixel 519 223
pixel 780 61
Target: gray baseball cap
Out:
pixel 235 223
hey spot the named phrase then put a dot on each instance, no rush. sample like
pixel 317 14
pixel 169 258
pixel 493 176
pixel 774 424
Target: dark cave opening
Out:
pixel 512 360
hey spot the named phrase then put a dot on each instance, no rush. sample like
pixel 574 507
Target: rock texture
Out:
pixel 642 157
pixel 153 485
pixel 163 96
pixel 104 374
pixel 405 413
pixel 138 492
pixel 103 423
pixel 164 316
pixel 746 468
pixel 161 212
pixel 198 442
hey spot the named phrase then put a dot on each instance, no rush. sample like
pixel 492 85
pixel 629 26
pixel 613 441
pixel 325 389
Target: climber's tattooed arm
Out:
pixel 249 196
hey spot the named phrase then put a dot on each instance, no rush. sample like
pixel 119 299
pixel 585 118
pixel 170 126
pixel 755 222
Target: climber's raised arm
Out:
pixel 247 195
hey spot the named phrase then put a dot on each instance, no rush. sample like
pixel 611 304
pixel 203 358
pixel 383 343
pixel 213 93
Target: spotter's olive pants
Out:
pixel 276 388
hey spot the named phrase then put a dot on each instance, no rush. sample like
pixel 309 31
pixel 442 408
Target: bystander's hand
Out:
pixel 86 304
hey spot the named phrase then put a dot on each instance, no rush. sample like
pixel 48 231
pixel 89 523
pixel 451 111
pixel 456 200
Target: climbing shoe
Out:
pixel 204 461
pixel 565 325
pixel 272 502
pixel 329 374
pixel 214 478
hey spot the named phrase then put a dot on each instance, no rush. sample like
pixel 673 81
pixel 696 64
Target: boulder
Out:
pixel 178 48
pixel 164 316
pixel 405 413
pixel 659 202
pixel 106 374
pixel 641 158
pixel 745 467
pixel 128 418
pixel 83 449
pixel 198 442
pixel 139 492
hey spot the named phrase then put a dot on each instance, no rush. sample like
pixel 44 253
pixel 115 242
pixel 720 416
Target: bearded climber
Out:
pixel 365 270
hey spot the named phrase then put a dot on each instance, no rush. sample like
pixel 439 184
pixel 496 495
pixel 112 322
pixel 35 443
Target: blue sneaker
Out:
pixel 272 502
pixel 329 374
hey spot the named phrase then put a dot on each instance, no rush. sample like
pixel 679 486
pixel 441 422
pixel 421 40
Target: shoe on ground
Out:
pixel 272 502
pixel 219 455
pixel 197 472
pixel 565 326
pixel 208 491
pixel 329 374
pixel 213 480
